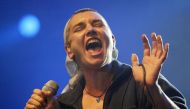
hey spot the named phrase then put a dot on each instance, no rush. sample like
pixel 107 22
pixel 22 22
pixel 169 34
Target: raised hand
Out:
pixel 152 60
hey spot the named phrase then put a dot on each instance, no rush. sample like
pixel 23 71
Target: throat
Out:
pixel 98 93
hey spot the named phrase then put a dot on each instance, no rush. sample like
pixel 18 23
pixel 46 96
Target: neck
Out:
pixel 98 80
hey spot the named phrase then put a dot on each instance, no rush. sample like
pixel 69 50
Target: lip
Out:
pixel 96 52
pixel 92 39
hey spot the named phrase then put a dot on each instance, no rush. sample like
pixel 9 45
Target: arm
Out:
pixel 160 99
pixel 172 92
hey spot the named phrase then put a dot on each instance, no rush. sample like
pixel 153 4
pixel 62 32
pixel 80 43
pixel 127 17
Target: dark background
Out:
pixel 28 63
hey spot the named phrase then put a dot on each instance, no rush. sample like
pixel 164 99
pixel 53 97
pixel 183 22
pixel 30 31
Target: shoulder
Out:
pixel 72 97
pixel 120 68
pixel 123 73
pixel 123 78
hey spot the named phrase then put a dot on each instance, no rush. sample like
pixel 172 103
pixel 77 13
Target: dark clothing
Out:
pixel 124 92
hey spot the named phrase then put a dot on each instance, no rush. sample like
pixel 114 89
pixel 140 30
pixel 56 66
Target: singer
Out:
pixel 100 81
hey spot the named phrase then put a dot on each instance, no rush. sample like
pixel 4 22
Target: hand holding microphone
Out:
pixel 43 99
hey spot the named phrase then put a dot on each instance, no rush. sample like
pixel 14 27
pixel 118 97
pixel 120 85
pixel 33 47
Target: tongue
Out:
pixel 94 51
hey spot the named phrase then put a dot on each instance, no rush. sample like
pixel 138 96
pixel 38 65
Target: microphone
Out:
pixel 51 86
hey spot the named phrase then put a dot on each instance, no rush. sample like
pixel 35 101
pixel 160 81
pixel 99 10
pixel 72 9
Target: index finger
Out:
pixel 146 45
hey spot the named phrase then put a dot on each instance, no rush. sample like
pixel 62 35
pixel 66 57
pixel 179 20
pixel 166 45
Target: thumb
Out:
pixel 47 93
pixel 134 60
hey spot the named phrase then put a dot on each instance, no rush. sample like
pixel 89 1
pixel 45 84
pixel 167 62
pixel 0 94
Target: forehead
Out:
pixel 85 16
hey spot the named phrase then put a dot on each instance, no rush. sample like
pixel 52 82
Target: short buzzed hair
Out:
pixel 67 29
pixel 84 10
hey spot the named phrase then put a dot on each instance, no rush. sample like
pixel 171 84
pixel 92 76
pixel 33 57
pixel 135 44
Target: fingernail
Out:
pixel 153 33
pixel 168 44
pixel 133 54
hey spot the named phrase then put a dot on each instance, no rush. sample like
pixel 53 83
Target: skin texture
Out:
pixel 152 59
pixel 96 68
pixel 40 100
pixel 96 65
pixel 82 29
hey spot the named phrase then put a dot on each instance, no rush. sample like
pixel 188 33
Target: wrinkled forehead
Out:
pixel 84 17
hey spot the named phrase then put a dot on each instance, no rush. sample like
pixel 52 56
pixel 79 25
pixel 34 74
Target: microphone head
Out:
pixel 51 86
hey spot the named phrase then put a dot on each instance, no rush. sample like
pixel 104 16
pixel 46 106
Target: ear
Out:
pixel 69 51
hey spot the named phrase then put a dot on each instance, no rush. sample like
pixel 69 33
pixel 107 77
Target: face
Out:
pixel 90 40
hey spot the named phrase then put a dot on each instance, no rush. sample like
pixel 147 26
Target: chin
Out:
pixel 98 63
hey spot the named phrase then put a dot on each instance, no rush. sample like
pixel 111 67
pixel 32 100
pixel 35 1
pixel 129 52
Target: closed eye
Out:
pixel 79 27
pixel 97 23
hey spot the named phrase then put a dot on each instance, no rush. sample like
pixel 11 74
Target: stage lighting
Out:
pixel 29 26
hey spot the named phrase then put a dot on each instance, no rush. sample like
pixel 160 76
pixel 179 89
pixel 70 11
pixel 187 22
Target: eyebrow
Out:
pixel 78 24
pixel 96 20
pixel 81 23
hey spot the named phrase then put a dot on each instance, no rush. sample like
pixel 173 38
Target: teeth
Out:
pixel 93 40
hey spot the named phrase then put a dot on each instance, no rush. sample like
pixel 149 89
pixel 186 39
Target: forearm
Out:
pixel 159 98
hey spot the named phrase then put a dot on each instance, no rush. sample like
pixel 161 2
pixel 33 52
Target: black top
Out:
pixel 124 92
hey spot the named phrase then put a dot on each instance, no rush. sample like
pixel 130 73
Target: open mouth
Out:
pixel 93 44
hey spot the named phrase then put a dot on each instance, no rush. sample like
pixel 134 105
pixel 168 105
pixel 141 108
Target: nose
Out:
pixel 91 32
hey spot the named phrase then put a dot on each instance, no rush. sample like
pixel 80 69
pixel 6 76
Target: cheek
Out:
pixel 77 49
pixel 108 40
pixel 77 40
